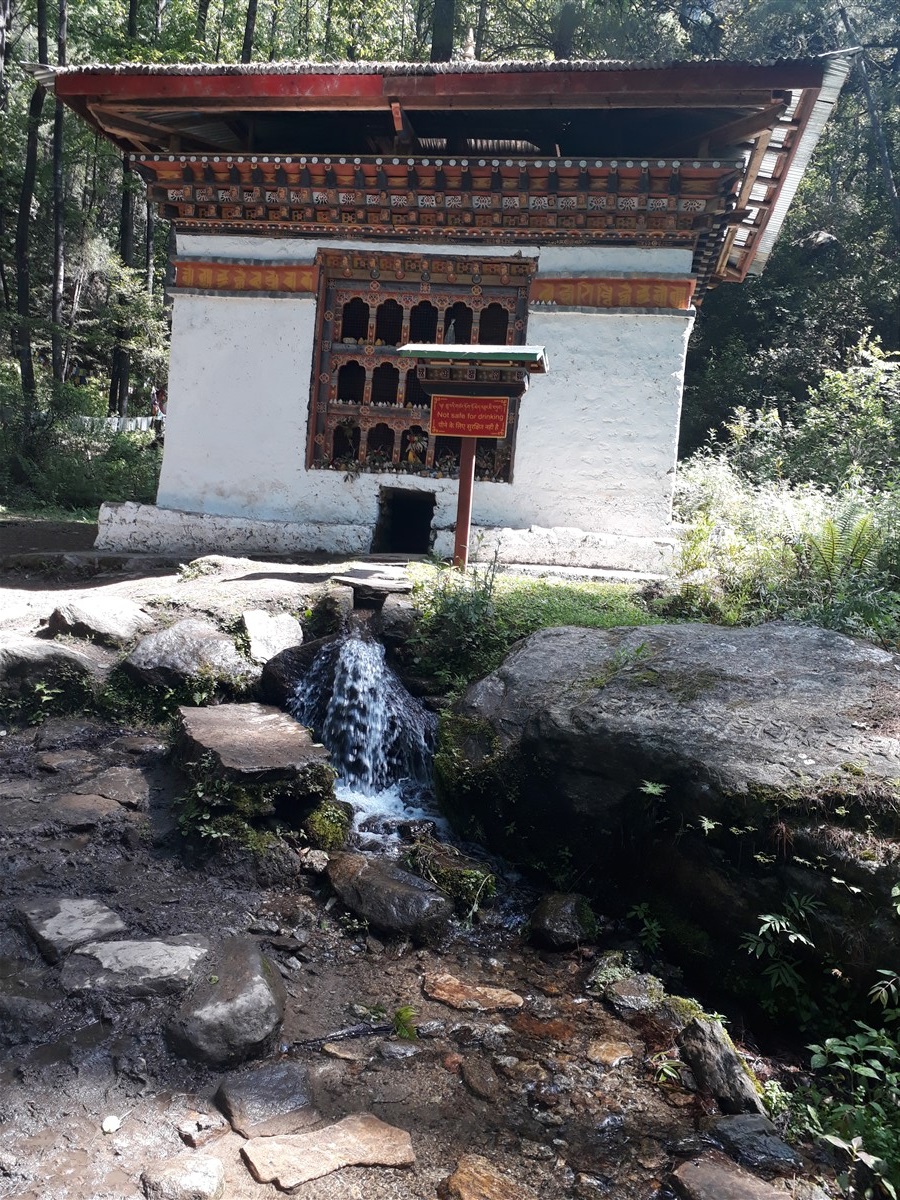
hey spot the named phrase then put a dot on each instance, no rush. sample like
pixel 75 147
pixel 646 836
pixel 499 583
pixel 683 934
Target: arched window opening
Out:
pixel 414 447
pixel 415 395
pixel 355 321
pixel 380 446
pixel 493 326
pixel 385 382
pixel 346 444
pixel 423 322
pixel 388 324
pixel 458 324
pixel 351 383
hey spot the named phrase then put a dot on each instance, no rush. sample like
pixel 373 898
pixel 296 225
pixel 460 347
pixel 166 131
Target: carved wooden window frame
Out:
pixel 407 278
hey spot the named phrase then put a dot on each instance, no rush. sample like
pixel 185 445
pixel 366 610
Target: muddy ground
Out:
pixel 561 1096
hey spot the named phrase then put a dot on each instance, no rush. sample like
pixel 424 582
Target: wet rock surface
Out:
pixel 250 743
pixel 275 1098
pixel 390 898
pixel 234 1011
pixel 61 924
pixel 523 1078
pixel 717 1067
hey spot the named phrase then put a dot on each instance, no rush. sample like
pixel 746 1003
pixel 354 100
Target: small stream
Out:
pixel 380 737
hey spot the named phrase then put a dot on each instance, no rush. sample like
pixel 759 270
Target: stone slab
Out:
pixel 715 1177
pixel 128 786
pixel 62 924
pixel 469 997
pixel 251 742
pixel 360 1140
pixel 79 811
pixel 269 1100
pixel 149 967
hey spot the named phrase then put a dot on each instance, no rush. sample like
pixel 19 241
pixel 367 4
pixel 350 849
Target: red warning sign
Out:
pixel 469 416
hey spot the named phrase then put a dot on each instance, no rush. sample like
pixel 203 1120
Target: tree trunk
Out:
pixel 118 383
pixel 202 18
pixel 884 155
pixel 273 31
pixel 149 255
pixel 249 30
pixel 481 28
pixel 59 258
pixel 442 30
pixel 132 20
pixel 23 226
pixel 5 19
pixel 22 251
pixel 564 30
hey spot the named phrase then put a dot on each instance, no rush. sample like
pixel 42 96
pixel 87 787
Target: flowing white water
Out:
pixel 381 738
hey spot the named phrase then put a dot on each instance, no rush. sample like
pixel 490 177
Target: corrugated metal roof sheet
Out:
pixel 836 73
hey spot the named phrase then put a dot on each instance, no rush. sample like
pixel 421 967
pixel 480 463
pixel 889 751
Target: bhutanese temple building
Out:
pixel 326 214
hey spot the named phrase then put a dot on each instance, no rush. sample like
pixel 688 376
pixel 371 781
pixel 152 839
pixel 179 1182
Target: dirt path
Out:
pixel 26 535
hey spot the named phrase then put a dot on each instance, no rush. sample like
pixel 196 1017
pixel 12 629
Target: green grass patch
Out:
pixel 469 622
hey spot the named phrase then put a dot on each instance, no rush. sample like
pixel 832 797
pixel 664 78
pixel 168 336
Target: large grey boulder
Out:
pixel 109 620
pixel 389 898
pixel 28 662
pixel 234 1011
pixel 186 650
pixel 270 633
pixel 693 761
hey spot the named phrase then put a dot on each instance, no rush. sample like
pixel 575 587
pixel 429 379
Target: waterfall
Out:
pixel 378 734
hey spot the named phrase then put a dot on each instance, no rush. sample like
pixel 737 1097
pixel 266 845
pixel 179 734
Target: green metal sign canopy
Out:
pixel 470 389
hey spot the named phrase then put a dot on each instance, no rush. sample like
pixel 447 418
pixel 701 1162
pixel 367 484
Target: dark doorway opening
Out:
pixel 404 522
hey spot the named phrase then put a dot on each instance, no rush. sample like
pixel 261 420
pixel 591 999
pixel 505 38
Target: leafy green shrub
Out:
pixel 755 551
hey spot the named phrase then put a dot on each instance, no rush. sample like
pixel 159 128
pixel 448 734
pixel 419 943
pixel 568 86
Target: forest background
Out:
pixel 791 423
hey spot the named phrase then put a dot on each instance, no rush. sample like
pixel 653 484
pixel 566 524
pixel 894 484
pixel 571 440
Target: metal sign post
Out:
pixel 470 389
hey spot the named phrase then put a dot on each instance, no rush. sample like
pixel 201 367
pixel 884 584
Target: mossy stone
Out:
pixel 328 825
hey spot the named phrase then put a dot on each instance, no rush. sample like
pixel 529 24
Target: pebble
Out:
pixel 475 1178
pixel 397 1050
pixel 431 1029
pixel 480 1078
pixel 185 1177
pixel 197 1128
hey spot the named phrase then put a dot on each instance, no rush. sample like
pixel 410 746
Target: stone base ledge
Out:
pixel 566 547
pixel 146 529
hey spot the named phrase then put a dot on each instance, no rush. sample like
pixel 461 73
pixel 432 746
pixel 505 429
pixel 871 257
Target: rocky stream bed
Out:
pixel 182 1025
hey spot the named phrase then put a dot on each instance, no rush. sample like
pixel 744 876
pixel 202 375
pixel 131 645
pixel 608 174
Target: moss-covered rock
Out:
pixel 467 882
pixel 328 825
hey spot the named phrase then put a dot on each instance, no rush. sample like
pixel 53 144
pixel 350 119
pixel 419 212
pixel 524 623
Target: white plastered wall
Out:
pixel 595 449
